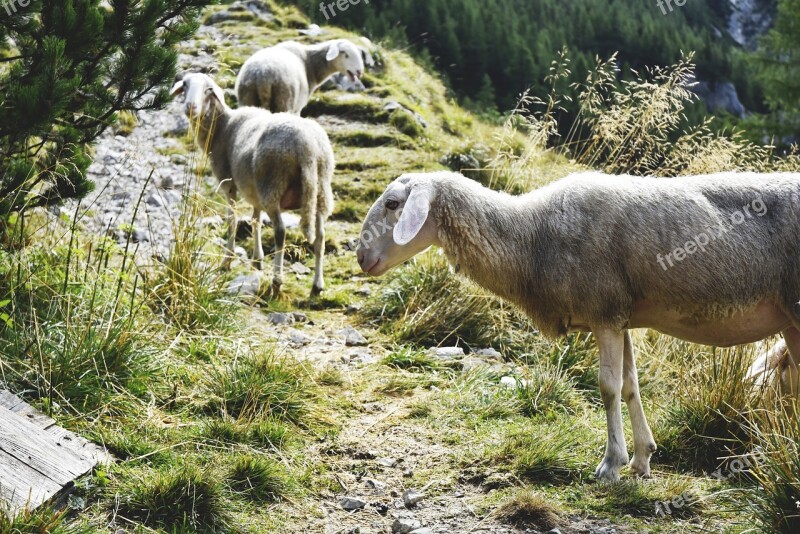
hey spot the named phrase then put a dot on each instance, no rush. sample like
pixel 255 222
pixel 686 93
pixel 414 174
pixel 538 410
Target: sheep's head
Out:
pixel 202 97
pixel 346 58
pixel 399 225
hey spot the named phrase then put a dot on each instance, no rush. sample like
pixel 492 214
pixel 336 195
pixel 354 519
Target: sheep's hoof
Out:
pixel 640 468
pixel 316 291
pixel 608 470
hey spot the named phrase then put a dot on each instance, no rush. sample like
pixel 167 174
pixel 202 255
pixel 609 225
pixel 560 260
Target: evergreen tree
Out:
pixel 67 67
pixel 780 60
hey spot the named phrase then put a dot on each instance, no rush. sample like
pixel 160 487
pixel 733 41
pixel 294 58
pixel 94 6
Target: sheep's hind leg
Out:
pixel 280 242
pixel 611 344
pixel 643 443
pixel 258 247
pixel 232 227
pixel 319 257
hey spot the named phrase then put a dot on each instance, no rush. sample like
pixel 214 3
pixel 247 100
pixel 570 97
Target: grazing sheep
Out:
pixel 277 162
pixel 709 259
pixel 282 77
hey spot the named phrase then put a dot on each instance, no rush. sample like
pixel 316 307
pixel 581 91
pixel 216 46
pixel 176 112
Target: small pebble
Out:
pixel 412 497
pixel 352 503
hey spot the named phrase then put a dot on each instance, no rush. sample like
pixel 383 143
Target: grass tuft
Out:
pixel 175 498
pixel 259 479
pixel 528 509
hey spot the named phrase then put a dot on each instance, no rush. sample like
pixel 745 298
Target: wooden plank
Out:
pixel 33 446
pixel 18 482
pixel 33 415
pixel 8 400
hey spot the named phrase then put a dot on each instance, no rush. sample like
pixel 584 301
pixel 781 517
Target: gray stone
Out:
pixel 412 497
pixel 277 318
pixel 299 338
pixel 312 31
pixel 405 525
pixel 353 337
pixel 352 503
pixel 424 530
pixel 300 317
pixel 387 462
pixel 299 269
pixel 153 199
pixel 246 285
pixel 447 353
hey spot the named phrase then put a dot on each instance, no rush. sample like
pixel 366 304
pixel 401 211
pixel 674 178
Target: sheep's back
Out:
pixel 624 239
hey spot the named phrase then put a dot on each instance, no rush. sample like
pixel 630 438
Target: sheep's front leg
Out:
pixel 319 256
pixel 232 227
pixel 611 345
pixel 643 443
pixel 258 248
pixel 280 242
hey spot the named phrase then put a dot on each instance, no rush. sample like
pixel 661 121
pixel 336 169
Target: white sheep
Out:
pixel 276 161
pixel 708 259
pixel 283 77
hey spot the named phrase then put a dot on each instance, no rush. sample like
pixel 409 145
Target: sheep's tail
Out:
pixel 308 209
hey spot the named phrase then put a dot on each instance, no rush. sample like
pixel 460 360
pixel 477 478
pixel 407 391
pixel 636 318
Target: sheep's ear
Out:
pixel 216 93
pixel 333 51
pixel 414 215
pixel 177 89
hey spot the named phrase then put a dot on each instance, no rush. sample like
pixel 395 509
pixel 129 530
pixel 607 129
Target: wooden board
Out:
pixel 38 459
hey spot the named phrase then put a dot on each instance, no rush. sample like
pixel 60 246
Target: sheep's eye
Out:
pixel 392 205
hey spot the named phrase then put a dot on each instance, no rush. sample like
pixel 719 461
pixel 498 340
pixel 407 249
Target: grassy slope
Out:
pixel 217 427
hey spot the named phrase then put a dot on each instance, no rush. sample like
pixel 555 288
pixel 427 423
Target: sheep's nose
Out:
pixel 362 256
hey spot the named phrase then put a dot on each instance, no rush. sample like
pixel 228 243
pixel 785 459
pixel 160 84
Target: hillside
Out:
pixel 491 52
pixel 415 401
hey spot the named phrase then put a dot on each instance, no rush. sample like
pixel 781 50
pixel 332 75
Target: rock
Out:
pixel 376 486
pixel 246 285
pixel 352 503
pixel 140 236
pixel 424 530
pixel 447 353
pixel 353 308
pixel 353 337
pixel 299 338
pixel 408 473
pixel 412 497
pixel 312 31
pixel 513 383
pixel 489 353
pixel 300 317
pixel 280 318
pixel 299 269
pixel 387 462
pixel 153 199
pixel 241 10
pixel 344 83
pixel 470 363
pixel 553 531
pixel 405 525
